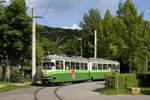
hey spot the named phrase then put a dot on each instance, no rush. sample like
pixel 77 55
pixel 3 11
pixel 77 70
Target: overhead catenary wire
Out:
pixel 45 22
pixel 44 14
pixel 50 3
pixel 45 30
pixel 58 40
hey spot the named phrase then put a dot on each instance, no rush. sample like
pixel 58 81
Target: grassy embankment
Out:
pixel 9 87
pixel 144 91
pixel 12 87
pixel 3 82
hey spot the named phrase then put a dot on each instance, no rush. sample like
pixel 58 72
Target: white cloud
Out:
pixel 6 2
pixel 56 5
pixel 64 5
pixel 74 26
pixel 32 3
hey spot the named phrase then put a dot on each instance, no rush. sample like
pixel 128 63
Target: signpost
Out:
pixel 117 71
pixel 8 70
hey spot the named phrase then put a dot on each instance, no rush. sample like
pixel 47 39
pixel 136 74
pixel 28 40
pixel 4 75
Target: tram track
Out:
pixel 35 93
pixel 56 93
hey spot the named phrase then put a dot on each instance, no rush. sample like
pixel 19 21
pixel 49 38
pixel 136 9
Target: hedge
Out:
pixel 38 74
pixel 125 81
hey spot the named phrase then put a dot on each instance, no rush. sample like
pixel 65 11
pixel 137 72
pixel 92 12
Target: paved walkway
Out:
pixel 2 86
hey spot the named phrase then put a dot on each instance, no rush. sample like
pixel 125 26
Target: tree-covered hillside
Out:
pixel 57 41
pixel 57 35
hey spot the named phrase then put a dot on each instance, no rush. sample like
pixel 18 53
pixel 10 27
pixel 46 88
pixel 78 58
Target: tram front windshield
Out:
pixel 48 66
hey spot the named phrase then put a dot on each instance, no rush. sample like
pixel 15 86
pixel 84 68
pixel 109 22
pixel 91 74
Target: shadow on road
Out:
pixel 98 89
pixel 43 85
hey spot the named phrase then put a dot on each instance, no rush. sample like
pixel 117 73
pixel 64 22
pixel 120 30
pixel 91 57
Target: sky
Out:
pixel 69 13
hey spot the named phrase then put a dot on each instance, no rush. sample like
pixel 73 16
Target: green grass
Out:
pixel 115 91
pixel 3 82
pixel 11 87
pixel 144 91
pixel 26 81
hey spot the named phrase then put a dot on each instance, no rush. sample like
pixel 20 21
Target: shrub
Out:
pixel 15 75
pixel 38 74
pixel 27 74
pixel 109 82
pixel 124 81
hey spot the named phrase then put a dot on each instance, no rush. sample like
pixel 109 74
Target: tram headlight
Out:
pixel 45 75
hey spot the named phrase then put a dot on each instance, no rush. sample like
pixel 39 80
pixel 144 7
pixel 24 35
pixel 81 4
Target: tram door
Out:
pixel 93 71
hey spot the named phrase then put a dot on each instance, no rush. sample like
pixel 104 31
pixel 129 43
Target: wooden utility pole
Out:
pixel 95 45
pixel 33 47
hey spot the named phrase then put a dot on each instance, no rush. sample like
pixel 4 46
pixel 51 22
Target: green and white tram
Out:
pixel 58 69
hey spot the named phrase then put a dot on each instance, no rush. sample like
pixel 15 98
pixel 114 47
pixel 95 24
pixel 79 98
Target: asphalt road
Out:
pixel 47 93
pixel 90 91
pixel 81 91
pixel 20 94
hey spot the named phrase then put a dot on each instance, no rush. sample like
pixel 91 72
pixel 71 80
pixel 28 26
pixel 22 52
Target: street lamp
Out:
pixel 80 39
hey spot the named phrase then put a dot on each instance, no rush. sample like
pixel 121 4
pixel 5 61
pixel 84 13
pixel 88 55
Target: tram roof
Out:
pixel 102 60
pixel 58 57
pixel 65 58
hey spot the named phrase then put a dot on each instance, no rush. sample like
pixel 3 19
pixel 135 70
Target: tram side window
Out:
pixel 73 66
pixel 67 65
pixel 100 67
pixel 59 65
pixel 113 66
pixel 77 66
pixel 80 66
pixel 94 67
pixel 84 66
pixel 105 66
pixel 109 67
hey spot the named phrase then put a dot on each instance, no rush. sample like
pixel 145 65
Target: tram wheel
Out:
pixel 91 79
pixel 44 82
